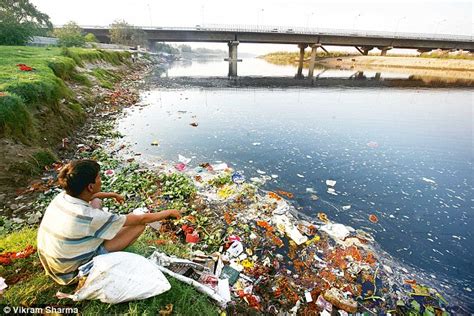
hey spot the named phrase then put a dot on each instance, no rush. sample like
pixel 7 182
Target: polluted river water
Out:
pixel 404 155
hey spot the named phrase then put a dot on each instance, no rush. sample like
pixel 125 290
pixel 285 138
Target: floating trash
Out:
pixel 238 178
pixel 373 218
pixel 372 144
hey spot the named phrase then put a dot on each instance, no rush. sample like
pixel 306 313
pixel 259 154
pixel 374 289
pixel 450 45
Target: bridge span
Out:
pixel 363 41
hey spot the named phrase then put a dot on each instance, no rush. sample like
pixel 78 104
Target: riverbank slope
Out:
pixel 45 95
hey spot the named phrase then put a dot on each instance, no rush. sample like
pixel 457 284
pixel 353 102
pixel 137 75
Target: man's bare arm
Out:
pixel 133 219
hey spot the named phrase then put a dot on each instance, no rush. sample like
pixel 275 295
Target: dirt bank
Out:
pixel 431 67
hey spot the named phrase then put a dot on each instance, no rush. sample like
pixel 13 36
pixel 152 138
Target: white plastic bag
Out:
pixel 120 277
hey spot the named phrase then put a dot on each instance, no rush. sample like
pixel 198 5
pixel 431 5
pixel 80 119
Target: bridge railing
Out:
pixel 303 31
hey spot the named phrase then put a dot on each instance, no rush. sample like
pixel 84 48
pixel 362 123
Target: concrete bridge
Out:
pixel 363 41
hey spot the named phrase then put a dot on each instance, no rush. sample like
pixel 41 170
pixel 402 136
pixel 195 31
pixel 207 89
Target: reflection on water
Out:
pixel 405 155
pixel 262 73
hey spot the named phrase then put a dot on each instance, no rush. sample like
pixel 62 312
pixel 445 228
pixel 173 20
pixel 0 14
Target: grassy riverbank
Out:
pixel 45 87
pixel 46 100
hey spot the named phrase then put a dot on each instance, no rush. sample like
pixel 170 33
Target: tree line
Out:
pixel 20 21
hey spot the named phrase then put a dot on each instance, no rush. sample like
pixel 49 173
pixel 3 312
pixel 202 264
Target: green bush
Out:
pixel 20 20
pixel 15 120
pixel 70 35
pixel 90 38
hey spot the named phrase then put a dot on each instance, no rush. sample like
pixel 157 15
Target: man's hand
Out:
pixel 120 199
pixel 174 213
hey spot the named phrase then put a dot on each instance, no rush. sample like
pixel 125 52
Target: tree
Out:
pixel 20 21
pixel 166 48
pixel 185 48
pixel 123 33
pixel 90 38
pixel 70 35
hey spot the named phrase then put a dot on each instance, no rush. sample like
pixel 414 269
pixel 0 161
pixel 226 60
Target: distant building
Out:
pixel 43 41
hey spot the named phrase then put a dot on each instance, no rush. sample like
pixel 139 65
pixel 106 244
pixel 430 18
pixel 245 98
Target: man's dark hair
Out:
pixel 77 175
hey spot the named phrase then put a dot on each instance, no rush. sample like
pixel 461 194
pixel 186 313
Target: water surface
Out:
pixel 405 155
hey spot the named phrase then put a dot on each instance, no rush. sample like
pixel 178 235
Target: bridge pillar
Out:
pixel 233 58
pixel 364 50
pixel 299 74
pixel 312 61
pixel 384 50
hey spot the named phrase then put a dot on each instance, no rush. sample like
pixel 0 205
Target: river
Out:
pixel 403 154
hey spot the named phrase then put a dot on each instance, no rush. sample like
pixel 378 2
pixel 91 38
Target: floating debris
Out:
pixel 428 180
pixel 373 218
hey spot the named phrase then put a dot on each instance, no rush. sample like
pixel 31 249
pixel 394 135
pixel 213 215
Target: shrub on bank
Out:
pixel 15 119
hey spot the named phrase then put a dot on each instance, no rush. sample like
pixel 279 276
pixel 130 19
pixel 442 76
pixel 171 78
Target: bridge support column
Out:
pixel 364 50
pixel 299 74
pixel 232 58
pixel 384 50
pixel 312 61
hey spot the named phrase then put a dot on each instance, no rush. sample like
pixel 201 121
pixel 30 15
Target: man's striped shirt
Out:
pixel 70 234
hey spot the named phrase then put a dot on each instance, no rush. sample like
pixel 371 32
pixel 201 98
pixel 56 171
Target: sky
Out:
pixel 418 16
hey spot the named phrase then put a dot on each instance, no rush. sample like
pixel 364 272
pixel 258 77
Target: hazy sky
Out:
pixel 447 16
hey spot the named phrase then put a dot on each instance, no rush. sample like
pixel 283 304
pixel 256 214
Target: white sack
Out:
pixel 120 277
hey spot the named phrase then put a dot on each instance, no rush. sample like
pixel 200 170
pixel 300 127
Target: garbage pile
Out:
pixel 121 97
pixel 274 261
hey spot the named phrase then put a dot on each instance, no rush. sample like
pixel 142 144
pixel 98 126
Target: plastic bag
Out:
pixel 120 277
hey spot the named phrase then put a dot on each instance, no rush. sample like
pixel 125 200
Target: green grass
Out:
pixel 106 78
pixel 37 289
pixel 15 119
pixel 25 93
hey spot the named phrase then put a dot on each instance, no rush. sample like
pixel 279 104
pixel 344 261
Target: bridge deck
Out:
pixel 289 35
